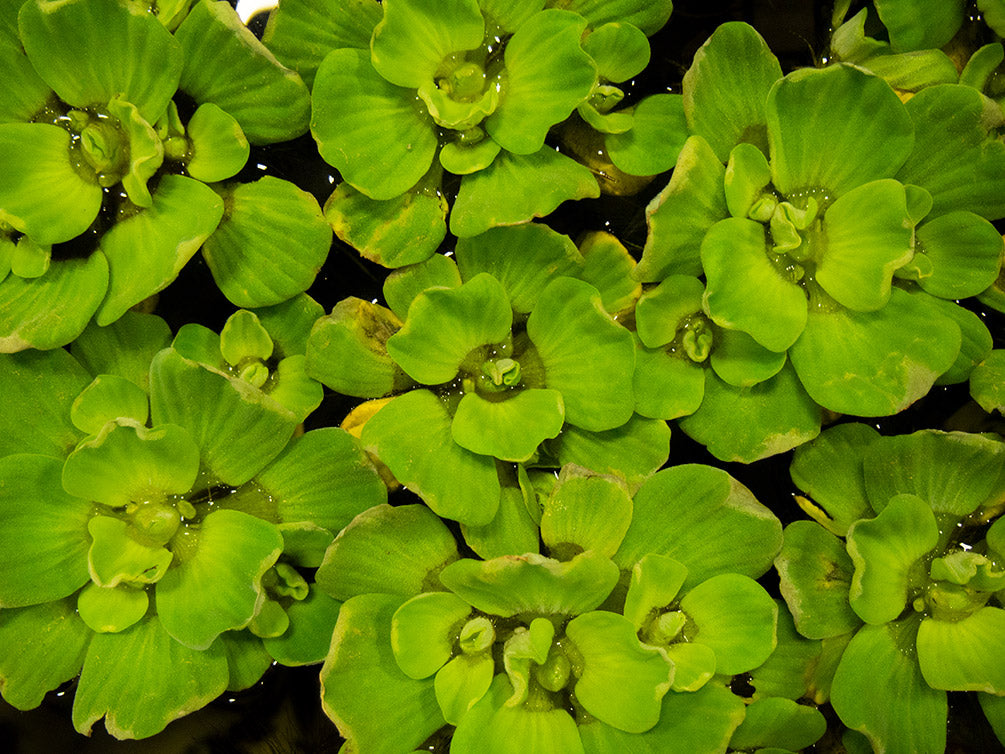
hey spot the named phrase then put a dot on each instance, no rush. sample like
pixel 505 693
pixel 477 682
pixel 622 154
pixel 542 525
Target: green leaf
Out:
pixel 587 356
pixel 788 671
pixel 183 215
pixel 445 324
pixel 402 286
pixel 987 380
pixel 532 583
pixel 681 214
pixel 741 361
pixel 878 690
pixel 830 470
pixel 409 541
pixel 649 17
pixel 51 641
pixel 726 87
pixel 39 388
pixel 953 472
pixel 307 640
pixel 127 462
pixel 868 236
pixel 216 584
pixel 512 531
pixel 816 574
pixel 323 477
pixel 663 310
pixel 747 176
pixel 461 683
pixel 817 143
pixel 748 424
pixel 494 727
pixel 270 244
pixel 412 435
pixel 347 350
pixel 633 451
pixel 362 689
pixel 393 232
pixel 52 310
pixel 874 363
pixel 369 129
pixel 887 552
pixel 145 151
pixel 290 323
pixel 414 38
pixel 173 681
pixel 237 428
pixel 667 386
pixel 735 617
pixel 517 188
pixel 655 582
pixel 524 258
pixel 622 681
pixel 219 148
pixel 90 52
pixel 994 710
pixel 608 267
pixel 124 348
pixel 302 32
pixel 710 509
pixel 111 609
pixel 954 157
pixel 745 290
pixel 913 25
pixel 620 51
pixel 655 139
pixel 964 655
pixel 779 723
pixel 547 75
pixel 702 720
pixel 226 65
pixel 965 252
pixel 509 429
pixel 41 192
pixel 26 92
pixel 585 512
pixel 247 659
pixel 43 533
pixel 424 630
pixel 117 556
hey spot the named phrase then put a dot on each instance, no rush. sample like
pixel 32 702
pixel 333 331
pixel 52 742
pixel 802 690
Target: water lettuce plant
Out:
pixel 811 245
pixel 118 135
pixel 410 90
pixel 510 354
pixel 621 633
pixel 900 574
pixel 157 517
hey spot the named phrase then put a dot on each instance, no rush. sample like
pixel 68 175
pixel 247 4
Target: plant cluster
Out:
pixel 486 549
